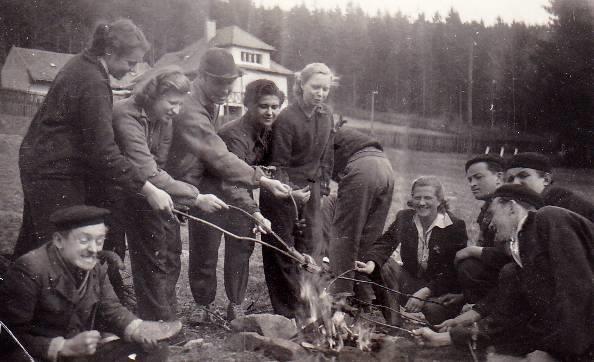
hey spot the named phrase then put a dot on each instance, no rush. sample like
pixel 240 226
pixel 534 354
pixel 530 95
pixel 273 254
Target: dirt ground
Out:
pixel 407 166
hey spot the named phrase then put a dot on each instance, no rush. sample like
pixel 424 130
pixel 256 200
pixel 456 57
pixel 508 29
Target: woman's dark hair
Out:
pixel 122 37
pixel 161 81
pixel 259 88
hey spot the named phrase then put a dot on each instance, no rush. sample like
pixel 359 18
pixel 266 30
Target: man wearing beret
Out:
pixel 546 295
pixel 197 150
pixel 478 265
pixel 56 298
pixel 534 170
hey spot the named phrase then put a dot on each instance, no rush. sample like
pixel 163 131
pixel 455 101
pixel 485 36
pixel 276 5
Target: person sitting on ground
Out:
pixel 429 236
pixel 57 297
pixel 534 170
pixel 478 265
pixel 546 294
pixel 143 125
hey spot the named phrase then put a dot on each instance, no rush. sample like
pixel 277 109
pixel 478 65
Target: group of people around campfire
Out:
pixel 99 175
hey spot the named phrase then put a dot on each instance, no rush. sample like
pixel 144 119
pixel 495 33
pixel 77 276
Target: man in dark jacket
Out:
pixel 534 170
pixel 56 297
pixel 546 298
pixel 196 150
pixel 365 187
pixel 478 265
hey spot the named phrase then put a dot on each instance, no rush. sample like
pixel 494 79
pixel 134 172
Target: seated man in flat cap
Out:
pixel 56 297
pixel 534 170
pixel 546 295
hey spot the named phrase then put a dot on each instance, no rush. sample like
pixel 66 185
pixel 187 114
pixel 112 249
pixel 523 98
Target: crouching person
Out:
pixel 545 296
pixel 429 236
pixel 58 300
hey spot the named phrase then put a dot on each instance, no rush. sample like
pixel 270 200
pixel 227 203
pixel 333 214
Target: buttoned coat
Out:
pixel 40 301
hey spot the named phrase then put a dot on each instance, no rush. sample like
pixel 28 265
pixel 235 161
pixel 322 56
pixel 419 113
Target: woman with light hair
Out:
pixel 429 237
pixel 143 128
pixel 301 151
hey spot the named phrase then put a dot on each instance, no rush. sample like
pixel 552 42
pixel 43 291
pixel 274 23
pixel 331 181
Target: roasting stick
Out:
pixel 414 320
pixel 388 325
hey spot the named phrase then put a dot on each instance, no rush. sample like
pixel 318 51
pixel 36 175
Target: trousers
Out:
pixel 155 255
pixel 204 249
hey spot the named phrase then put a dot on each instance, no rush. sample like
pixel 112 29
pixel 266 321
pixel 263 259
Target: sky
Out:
pixel 528 11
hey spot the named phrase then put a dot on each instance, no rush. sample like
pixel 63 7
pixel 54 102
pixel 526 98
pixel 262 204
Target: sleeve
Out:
pixel 494 257
pixel 282 148
pixel 200 139
pixel 19 295
pixel 383 247
pixel 446 280
pixel 98 140
pixel 110 310
pixel 131 137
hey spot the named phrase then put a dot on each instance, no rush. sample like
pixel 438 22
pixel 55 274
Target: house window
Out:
pixel 249 57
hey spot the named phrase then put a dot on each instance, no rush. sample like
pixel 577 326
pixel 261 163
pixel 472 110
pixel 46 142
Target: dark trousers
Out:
pixel 155 249
pixel 204 251
pixel 41 199
pixel 363 201
pixel 396 277
pixel 281 273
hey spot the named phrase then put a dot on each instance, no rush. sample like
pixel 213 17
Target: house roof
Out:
pixel 234 35
pixel 43 66
pixel 189 57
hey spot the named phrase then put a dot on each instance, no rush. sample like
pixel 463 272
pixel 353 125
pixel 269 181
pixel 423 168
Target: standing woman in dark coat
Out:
pixel 301 151
pixel 69 154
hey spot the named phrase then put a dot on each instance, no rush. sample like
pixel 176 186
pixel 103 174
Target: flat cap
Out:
pixel 77 216
pixel 496 160
pixel 219 63
pixel 519 193
pixel 533 160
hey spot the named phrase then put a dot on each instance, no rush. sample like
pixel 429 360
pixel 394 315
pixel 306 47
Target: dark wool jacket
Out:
pixel 71 136
pixel 40 301
pixel 196 148
pixel 443 245
pixel 561 197
pixel 302 146
pixel 554 303
pixel 146 142
pixel 251 143
pixel 347 142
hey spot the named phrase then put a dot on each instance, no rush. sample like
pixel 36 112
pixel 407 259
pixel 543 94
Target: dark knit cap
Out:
pixel 533 160
pixel 73 217
pixel 219 63
pixel 519 193
pixel 495 160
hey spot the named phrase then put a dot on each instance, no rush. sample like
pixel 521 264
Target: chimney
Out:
pixel 210 29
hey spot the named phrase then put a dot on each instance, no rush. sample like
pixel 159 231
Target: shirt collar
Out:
pixel 514 244
pixel 317 109
pixel 442 221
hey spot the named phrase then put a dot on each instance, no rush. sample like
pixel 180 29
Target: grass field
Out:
pixel 407 166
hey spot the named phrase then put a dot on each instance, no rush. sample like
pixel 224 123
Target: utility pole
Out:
pixel 469 94
pixel 492 109
pixel 373 93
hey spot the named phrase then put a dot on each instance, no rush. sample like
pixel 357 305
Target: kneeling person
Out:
pixel 54 295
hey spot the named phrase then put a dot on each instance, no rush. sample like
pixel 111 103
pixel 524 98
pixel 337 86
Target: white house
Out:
pixel 251 54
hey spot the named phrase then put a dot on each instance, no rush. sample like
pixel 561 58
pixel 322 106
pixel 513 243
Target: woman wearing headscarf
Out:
pixel 69 155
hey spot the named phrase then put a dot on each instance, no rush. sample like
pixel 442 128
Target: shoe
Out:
pixel 201 315
pixel 159 331
pixel 235 311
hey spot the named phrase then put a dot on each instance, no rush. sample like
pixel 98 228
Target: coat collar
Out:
pixel 93 59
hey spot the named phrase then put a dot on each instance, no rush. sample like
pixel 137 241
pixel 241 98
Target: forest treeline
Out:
pixel 515 77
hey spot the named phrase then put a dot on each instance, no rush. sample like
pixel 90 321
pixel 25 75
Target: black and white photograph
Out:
pixel 297 180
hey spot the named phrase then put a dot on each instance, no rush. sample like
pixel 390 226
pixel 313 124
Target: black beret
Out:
pixel 77 216
pixel 492 159
pixel 519 193
pixel 533 160
pixel 219 63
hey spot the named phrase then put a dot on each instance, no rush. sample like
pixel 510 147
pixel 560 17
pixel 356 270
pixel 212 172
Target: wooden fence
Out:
pixel 19 103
